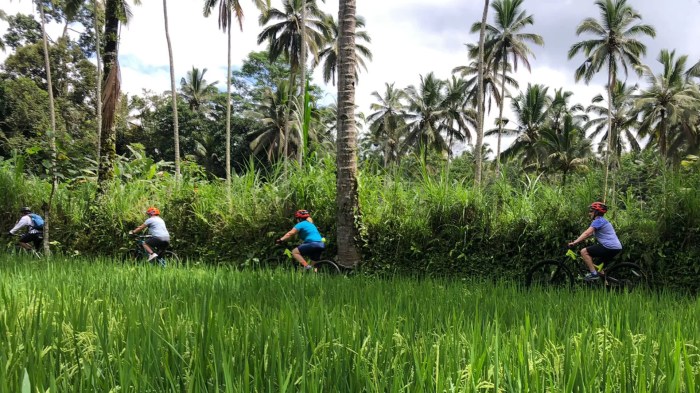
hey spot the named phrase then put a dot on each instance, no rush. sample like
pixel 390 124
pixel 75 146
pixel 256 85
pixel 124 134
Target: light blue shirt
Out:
pixel 308 232
pixel 605 234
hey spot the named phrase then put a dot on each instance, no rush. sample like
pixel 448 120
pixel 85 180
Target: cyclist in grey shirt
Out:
pixel 160 237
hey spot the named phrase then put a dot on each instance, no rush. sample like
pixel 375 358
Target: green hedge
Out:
pixel 430 222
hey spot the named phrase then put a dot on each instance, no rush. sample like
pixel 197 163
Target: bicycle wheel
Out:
pixel 625 276
pixel 326 267
pixel 549 273
pixel 169 259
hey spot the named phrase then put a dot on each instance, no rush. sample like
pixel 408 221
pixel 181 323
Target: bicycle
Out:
pixel 32 252
pixel 566 271
pixel 321 266
pixel 138 254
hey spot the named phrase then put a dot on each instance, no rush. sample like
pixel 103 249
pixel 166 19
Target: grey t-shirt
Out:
pixel 157 229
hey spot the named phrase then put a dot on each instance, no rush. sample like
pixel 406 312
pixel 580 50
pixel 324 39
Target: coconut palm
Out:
pixel 272 114
pixel 561 108
pixel 284 35
pixel 348 213
pixel 505 40
pixel 427 112
pixel 173 91
pixel 615 44
pixel 481 61
pixel 386 124
pixel 623 120
pixel 565 149
pixel 663 104
pixel 459 117
pixel 196 90
pixel 227 10
pixel 329 54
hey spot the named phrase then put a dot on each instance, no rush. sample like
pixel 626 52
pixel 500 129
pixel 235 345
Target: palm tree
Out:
pixel 329 54
pixel 565 149
pixel 426 115
pixel 615 45
pixel 663 104
pixel 505 40
pixel 271 113
pixel 195 89
pixel 561 108
pixel 386 124
pixel 173 91
pixel 116 12
pixel 481 61
pixel 623 120
pixel 227 9
pixel 458 113
pixel 348 213
pixel 531 109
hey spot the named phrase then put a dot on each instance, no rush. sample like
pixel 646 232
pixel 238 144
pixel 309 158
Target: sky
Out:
pixel 409 38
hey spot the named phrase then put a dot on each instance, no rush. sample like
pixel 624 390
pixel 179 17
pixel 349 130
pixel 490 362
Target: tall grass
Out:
pixel 414 220
pixel 91 325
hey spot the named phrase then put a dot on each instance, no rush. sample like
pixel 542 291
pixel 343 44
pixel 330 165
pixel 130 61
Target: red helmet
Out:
pixel 153 211
pixel 598 207
pixel 302 214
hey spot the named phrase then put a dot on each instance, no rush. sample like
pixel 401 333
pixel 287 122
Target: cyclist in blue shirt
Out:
pixel 312 242
pixel 608 244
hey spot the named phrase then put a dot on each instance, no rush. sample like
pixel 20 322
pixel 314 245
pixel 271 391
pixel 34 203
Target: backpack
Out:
pixel 37 222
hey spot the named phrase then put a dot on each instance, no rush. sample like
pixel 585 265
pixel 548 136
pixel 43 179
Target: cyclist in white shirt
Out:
pixel 160 237
pixel 34 235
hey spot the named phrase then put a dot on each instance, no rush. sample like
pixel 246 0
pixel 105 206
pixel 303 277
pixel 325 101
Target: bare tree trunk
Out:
pixel 480 99
pixel 98 95
pixel 348 207
pixel 500 117
pixel 228 117
pixel 611 133
pixel 173 93
pixel 51 134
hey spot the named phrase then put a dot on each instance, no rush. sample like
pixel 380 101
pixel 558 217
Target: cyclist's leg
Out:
pixel 605 255
pixel 587 255
pixel 26 239
pixel 298 252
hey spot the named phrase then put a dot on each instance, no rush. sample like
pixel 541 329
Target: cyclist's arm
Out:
pixel 139 228
pixel 23 222
pixel 289 234
pixel 585 235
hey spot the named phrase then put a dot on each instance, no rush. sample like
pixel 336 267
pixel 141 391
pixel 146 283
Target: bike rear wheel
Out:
pixel 169 259
pixel 326 267
pixel 625 276
pixel 549 273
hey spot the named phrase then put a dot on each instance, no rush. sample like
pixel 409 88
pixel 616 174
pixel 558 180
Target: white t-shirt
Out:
pixel 157 229
pixel 25 221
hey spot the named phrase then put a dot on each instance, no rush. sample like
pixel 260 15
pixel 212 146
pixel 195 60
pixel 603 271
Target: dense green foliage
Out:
pixel 97 326
pixel 431 223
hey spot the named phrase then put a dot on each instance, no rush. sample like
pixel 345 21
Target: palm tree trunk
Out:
pixel 302 71
pixel 480 99
pixel 110 98
pixel 173 92
pixel 228 116
pixel 610 131
pixel 500 116
pixel 287 113
pixel 347 203
pixel 98 88
pixel 51 135
pixel 662 137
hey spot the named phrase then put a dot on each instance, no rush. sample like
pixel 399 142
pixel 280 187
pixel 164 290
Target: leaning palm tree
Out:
pixel 386 124
pixel 505 40
pixel 663 104
pixel 196 90
pixel 615 45
pixel 481 61
pixel 623 119
pixel 329 54
pixel 228 9
pixel 284 35
pixel 348 215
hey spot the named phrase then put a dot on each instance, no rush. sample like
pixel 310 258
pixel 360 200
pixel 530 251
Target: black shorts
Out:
pixel 36 238
pixel 157 244
pixel 598 251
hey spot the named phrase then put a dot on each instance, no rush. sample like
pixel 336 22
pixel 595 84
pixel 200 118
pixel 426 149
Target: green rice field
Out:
pixel 98 326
